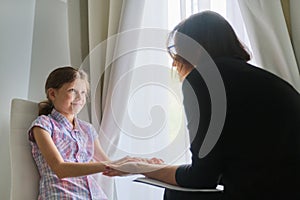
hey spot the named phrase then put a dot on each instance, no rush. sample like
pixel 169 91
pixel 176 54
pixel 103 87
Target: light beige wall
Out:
pixel 16 22
pixel 34 40
pixel 50 45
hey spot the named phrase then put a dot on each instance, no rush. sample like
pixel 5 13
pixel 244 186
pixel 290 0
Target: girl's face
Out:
pixel 70 98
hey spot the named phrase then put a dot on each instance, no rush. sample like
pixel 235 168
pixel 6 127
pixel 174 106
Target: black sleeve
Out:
pixel 203 172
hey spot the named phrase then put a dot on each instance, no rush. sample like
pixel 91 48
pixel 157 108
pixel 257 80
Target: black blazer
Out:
pixel 257 154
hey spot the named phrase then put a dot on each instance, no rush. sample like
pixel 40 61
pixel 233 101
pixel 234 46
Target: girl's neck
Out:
pixel 71 119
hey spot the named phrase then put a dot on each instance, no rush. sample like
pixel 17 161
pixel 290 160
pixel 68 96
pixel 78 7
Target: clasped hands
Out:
pixel 132 165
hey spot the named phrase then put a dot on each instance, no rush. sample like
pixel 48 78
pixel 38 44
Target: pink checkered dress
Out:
pixel 74 145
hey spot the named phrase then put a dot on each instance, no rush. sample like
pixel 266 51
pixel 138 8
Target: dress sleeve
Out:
pixel 93 132
pixel 88 128
pixel 43 122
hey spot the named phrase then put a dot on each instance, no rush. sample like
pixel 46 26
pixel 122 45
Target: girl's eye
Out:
pixel 84 93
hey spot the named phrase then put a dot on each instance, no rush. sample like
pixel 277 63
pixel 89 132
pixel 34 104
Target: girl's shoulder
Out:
pixel 83 122
pixel 87 127
pixel 42 119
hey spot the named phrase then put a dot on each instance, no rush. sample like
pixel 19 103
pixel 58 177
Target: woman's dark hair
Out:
pixel 213 33
pixel 56 79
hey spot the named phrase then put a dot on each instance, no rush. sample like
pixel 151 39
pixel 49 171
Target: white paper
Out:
pixel 172 187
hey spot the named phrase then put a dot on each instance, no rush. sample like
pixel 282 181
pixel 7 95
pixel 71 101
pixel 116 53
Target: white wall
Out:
pixel 34 40
pixel 16 22
pixel 50 46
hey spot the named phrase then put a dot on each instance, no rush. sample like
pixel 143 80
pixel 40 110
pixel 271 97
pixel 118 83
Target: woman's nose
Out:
pixel 174 63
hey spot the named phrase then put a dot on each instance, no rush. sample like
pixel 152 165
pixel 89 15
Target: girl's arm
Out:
pixel 61 168
pixel 161 172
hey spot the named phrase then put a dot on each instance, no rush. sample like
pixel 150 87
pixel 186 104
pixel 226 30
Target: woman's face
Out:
pixel 182 66
pixel 70 98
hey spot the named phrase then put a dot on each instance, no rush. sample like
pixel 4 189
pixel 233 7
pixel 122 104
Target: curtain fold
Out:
pixel 270 39
pixel 94 27
pixel 295 27
pixel 286 12
pixel 112 41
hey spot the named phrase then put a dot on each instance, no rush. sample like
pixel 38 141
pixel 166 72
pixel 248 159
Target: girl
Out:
pixel 65 148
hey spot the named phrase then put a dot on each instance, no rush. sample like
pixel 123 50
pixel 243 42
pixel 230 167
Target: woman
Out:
pixel 256 155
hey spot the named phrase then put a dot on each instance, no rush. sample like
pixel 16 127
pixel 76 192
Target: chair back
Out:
pixel 24 172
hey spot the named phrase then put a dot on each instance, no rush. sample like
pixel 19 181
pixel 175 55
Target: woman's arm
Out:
pixel 161 172
pixel 61 168
pixel 165 174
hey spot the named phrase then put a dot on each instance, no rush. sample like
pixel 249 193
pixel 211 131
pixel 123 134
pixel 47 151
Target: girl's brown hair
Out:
pixel 56 79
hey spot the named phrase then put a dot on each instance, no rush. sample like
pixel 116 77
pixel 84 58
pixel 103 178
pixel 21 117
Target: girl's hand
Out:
pixel 150 161
pixel 155 161
pixel 122 169
pixel 131 165
pixel 137 159
pixel 112 167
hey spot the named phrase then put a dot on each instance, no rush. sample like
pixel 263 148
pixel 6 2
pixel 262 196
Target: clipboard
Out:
pixel 161 184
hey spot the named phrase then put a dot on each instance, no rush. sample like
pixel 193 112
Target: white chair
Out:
pixel 24 173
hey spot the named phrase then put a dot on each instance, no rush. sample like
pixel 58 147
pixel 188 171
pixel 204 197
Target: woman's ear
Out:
pixel 51 94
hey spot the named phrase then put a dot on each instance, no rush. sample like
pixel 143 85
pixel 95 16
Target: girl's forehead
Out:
pixel 77 83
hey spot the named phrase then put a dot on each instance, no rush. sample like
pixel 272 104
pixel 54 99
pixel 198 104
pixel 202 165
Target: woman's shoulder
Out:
pixel 238 71
pixel 237 65
pixel 233 64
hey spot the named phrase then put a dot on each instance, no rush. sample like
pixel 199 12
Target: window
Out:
pixel 181 9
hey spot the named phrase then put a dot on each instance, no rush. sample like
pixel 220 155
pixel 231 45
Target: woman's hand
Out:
pixel 132 165
pixel 150 161
pixel 136 159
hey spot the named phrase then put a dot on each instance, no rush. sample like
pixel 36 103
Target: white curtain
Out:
pixel 136 101
pixel 228 9
pixel 142 97
pixel 152 123
pixel 94 29
pixel 270 39
pixel 295 28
